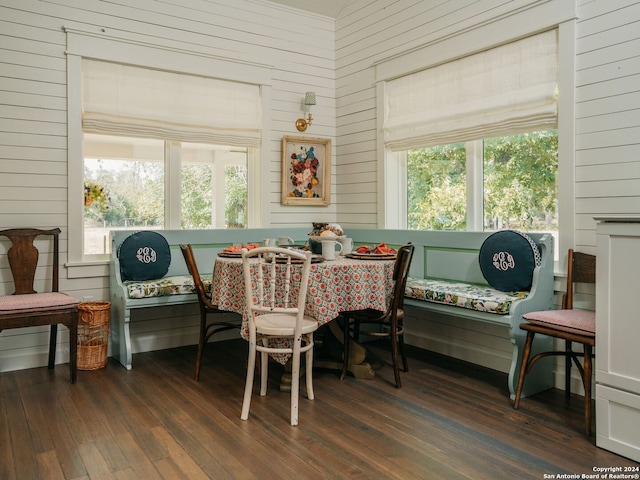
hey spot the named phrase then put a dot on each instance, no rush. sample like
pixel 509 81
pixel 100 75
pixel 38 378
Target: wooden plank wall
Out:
pixel 607 114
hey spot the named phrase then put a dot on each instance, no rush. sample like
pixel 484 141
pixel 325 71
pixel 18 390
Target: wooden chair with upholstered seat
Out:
pixel 570 325
pixel 222 321
pixel 28 308
pixel 276 281
pixel 388 324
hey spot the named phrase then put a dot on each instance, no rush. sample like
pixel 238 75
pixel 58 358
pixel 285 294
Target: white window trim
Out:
pixel 131 49
pixel 475 182
pixel 390 205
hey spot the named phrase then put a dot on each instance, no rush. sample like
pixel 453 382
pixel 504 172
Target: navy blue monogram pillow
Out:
pixel 144 256
pixel 507 260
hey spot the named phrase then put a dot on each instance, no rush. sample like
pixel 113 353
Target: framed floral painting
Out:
pixel 306 171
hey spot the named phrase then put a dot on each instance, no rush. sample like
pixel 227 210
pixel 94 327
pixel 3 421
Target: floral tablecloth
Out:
pixel 336 286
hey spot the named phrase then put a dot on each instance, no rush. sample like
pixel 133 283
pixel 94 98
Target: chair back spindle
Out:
pixel 582 269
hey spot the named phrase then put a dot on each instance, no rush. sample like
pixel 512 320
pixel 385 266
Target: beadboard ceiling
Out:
pixel 330 8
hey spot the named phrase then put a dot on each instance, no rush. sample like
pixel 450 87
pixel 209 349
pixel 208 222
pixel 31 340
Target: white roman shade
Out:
pixel 506 90
pixel 140 102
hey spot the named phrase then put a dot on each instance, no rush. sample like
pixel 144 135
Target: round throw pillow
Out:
pixel 144 256
pixel 507 260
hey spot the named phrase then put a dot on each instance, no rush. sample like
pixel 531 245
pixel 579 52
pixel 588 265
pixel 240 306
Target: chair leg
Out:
pixel 264 370
pixel 309 366
pixel 588 367
pixel 248 387
pixel 568 358
pixel 201 341
pixel 53 339
pixel 356 330
pixel 295 380
pixel 526 352
pixel 403 355
pixel 394 357
pixel 346 348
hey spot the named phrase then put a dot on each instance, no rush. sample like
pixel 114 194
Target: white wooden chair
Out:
pixel 276 281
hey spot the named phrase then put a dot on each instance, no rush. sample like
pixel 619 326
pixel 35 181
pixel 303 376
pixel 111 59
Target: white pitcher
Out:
pixel 347 245
pixel 284 241
pixel 329 249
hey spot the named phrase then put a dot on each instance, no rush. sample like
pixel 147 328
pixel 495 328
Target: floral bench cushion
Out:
pixel 162 287
pixel 475 297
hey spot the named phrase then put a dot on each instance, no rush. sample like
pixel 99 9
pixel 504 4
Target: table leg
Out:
pixel 357 366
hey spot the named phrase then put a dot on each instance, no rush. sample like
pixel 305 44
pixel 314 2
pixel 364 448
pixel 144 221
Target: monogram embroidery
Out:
pixel 146 255
pixel 503 261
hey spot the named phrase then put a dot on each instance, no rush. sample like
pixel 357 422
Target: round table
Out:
pixel 337 286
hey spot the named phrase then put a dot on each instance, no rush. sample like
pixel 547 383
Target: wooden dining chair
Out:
pixel 28 308
pixel 276 293
pixel 221 320
pixel 569 325
pixel 387 324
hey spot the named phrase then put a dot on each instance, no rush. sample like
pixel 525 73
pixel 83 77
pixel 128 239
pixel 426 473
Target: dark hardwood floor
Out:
pixel 450 420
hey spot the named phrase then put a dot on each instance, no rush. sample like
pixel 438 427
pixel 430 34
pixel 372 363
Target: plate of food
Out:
pixel 235 251
pixel 380 252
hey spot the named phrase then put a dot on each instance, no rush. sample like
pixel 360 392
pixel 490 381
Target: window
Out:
pixel 154 184
pixel 169 149
pixel 129 88
pixel 516 184
pixel 475 140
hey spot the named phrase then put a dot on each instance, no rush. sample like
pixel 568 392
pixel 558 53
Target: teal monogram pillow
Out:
pixel 507 260
pixel 144 256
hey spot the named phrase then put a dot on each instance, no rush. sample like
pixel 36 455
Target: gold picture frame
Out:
pixel 306 170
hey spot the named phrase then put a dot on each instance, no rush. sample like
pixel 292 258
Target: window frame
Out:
pixel 391 185
pixel 167 55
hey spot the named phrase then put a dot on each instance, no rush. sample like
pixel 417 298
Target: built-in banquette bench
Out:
pixel 145 288
pixel 446 279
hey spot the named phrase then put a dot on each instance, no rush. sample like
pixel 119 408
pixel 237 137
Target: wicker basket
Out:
pixel 93 334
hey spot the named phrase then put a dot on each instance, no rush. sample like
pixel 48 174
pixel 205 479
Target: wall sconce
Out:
pixel 309 100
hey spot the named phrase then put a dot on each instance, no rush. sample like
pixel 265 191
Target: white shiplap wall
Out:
pixel 298 47
pixel 607 114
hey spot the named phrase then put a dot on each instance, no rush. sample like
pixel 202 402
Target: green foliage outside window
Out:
pixel 520 189
pixel 136 195
pixel 436 188
pixel 196 199
pixel 235 208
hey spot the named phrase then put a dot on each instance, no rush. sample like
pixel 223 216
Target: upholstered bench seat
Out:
pixel 165 286
pixel 474 297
